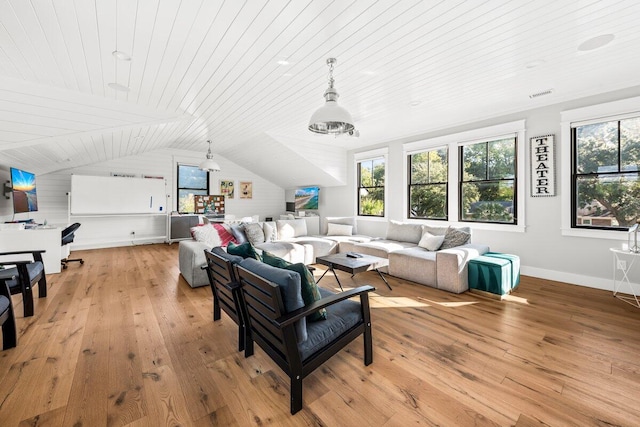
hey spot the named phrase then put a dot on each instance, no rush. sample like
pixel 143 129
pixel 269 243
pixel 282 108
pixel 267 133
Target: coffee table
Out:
pixel 352 265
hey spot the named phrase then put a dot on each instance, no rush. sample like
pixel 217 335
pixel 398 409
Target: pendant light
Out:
pixel 331 118
pixel 209 165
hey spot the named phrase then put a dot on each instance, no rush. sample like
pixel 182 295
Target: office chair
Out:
pixel 67 237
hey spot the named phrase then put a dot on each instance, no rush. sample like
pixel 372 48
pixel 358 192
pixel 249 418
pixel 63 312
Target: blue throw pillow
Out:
pixel 245 250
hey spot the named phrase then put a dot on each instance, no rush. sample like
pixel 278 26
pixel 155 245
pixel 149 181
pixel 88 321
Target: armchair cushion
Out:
pixel 34 269
pixel 227 256
pixel 289 285
pixel 341 317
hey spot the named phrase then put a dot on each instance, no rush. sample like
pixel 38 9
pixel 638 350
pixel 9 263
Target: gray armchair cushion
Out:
pixel 34 269
pixel 340 318
pixel 235 259
pixel 289 285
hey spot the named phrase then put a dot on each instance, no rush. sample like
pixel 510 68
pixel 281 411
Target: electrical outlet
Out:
pixel 622 265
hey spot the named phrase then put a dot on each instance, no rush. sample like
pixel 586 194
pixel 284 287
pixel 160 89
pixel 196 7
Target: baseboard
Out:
pixel 574 279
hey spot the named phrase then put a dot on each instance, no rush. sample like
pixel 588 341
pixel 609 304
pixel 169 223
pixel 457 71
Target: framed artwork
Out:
pixel 543 170
pixel 246 189
pixel 226 188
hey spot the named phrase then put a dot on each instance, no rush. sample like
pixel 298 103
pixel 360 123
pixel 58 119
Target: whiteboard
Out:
pixel 117 195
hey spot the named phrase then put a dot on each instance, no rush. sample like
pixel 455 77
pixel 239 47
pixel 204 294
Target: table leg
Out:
pixel 330 268
pixel 384 280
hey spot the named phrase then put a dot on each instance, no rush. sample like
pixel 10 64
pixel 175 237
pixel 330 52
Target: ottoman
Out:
pixel 515 266
pixel 490 274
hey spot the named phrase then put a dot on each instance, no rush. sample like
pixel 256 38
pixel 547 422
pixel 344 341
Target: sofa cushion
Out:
pixel 339 229
pixel 436 231
pixel 288 228
pixel 238 233
pixel 290 251
pixel 381 248
pixel 206 233
pixel 456 237
pixel 430 242
pixel 254 233
pixel 345 220
pixel 415 264
pixel 402 232
pixel 341 317
pixel 318 246
pixel 270 231
pixel 289 285
pixel 245 250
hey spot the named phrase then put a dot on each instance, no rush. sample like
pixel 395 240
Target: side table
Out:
pixel 623 260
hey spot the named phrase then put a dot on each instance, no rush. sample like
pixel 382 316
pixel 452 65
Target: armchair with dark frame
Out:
pixel 7 316
pixel 278 332
pixel 21 278
pixel 68 235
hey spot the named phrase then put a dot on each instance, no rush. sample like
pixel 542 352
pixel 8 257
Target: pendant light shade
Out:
pixel 331 118
pixel 209 165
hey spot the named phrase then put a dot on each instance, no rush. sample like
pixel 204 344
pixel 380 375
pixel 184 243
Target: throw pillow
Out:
pixel 309 290
pixel 238 233
pixel 207 234
pixel 455 237
pixel 271 259
pixel 254 233
pixel 245 250
pixel 430 242
pixel 339 229
pixel 224 234
pixel 288 229
pixel 345 220
pixel 404 232
pixel 270 231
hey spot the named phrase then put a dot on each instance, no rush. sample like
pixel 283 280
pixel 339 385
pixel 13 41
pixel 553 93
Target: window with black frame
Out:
pixel 605 174
pixel 371 183
pixel 427 189
pixel 192 181
pixel 488 181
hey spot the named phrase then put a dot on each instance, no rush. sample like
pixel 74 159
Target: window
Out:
pixel 605 176
pixel 427 189
pixel 371 182
pixel 191 181
pixel 488 181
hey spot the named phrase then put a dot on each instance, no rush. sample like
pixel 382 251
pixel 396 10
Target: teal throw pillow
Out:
pixel 309 290
pixel 245 250
pixel 274 261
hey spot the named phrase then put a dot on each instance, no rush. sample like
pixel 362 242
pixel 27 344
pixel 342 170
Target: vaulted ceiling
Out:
pixel 249 74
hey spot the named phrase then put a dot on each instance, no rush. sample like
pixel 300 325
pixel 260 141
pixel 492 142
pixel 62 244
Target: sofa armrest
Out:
pixel 451 266
pixel 190 259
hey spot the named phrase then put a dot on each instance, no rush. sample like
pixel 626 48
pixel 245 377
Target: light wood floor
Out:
pixel 122 340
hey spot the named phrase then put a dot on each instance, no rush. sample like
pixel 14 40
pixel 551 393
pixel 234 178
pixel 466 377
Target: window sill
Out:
pixel 595 234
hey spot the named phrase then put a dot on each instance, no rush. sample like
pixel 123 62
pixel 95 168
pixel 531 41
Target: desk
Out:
pixel 623 260
pixel 48 238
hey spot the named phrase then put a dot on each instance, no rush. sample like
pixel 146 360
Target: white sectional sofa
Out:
pixel 413 250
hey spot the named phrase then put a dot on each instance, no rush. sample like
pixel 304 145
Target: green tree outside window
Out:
pixel 371 187
pixel 428 184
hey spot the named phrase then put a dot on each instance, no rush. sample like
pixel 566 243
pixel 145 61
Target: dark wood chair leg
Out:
pixel 27 292
pixel 296 393
pixel 9 332
pixel 216 309
pixel 248 347
pixel 367 335
pixel 42 287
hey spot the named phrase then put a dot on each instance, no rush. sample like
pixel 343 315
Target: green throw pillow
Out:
pixel 245 250
pixel 309 289
pixel 274 261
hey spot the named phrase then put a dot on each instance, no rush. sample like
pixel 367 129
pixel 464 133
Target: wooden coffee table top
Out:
pixel 352 265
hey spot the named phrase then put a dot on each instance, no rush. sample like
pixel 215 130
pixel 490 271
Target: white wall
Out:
pixel 543 251
pixel 268 199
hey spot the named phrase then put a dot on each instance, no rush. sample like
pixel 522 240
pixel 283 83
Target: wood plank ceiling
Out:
pixel 249 74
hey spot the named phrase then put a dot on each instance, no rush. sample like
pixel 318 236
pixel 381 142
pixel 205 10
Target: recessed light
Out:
pixel 287 75
pixel 118 87
pixel 534 64
pixel 415 103
pixel 122 56
pixel 596 42
pixel 368 73
pixel 283 62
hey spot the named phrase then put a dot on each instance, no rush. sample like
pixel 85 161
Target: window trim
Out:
pixel 178 188
pixel 407 178
pixel 380 153
pixel 615 110
pixel 453 141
